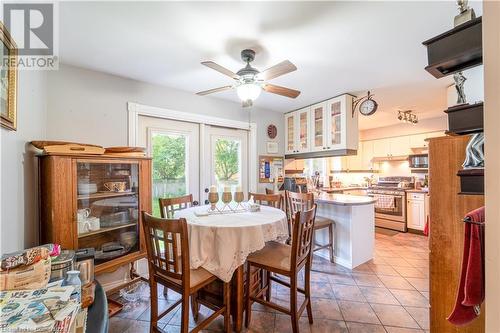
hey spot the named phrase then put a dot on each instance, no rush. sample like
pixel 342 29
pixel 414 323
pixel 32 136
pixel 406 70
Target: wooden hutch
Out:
pixel 95 201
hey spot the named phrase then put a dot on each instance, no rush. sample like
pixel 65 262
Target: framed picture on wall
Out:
pixel 272 147
pixel 8 80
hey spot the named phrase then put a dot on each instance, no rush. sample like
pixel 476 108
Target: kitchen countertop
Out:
pixel 347 188
pixel 344 199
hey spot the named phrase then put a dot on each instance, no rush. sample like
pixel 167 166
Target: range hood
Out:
pixel 390 158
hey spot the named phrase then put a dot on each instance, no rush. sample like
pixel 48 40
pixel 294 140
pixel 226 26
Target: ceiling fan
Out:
pixel 249 81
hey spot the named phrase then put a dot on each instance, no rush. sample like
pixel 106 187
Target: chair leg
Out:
pixel 195 306
pixel 154 305
pixel 268 284
pixel 185 312
pixel 248 301
pixel 307 288
pixel 332 243
pixel 227 304
pixel 293 303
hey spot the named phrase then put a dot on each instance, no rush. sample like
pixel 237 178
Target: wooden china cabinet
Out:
pixel 94 201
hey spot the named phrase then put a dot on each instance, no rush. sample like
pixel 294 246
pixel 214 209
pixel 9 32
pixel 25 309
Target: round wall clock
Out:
pixel 272 131
pixel 368 107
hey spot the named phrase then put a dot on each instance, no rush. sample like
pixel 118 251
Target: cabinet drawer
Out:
pixel 416 196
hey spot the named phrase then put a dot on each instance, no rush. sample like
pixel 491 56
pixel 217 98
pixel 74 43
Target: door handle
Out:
pixel 195 203
pixel 206 190
pixel 206 202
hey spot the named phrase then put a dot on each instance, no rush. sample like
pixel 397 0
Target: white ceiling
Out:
pixel 337 46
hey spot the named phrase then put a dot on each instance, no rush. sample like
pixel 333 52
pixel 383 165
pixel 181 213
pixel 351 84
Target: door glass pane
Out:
pixel 303 130
pixel 318 127
pixel 290 133
pixel 107 208
pixel 335 124
pixel 169 151
pixel 227 162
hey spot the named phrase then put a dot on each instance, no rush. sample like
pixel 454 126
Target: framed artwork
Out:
pixel 272 147
pixel 8 80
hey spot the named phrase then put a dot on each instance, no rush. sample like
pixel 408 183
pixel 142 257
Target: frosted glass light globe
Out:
pixel 248 91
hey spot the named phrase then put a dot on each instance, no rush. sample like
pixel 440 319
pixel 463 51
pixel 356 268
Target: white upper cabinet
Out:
pixel 290 147
pixel 304 136
pixel 399 146
pixel 318 127
pixel 418 140
pixel 325 126
pixel 367 155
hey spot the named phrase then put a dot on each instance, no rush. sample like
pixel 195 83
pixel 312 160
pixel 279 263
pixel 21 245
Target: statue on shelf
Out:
pixel 459 86
pixel 474 153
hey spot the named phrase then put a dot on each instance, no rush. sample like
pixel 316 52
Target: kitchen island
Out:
pixel 354 217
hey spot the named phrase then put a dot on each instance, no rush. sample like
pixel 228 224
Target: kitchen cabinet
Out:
pixel 355 162
pixel 290 133
pixel 367 155
pixel 319 127
pixel 323 127
pixel 297 134
pixel 418 141
pixel 399 146
pixel 415 210
pixel 293 164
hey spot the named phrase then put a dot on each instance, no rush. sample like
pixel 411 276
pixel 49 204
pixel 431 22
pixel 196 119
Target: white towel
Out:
pixel 384 201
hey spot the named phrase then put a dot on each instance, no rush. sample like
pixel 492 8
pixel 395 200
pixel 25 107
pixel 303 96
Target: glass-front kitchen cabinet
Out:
pixel 330 125
pixel 95 202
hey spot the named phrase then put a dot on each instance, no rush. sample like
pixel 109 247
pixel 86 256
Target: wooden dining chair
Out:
pixel 273 200
pixel 168 261
pixel 296 202
pixel 287 261
pixel 168 206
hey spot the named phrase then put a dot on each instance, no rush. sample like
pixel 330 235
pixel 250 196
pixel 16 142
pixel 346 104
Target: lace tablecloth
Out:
pixel 221 243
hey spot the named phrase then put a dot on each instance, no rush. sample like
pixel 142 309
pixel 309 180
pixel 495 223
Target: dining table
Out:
pixel 220 242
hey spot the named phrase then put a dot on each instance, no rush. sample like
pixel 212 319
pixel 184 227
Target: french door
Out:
pixel 174 147
pixel 189 157
pixel 226 159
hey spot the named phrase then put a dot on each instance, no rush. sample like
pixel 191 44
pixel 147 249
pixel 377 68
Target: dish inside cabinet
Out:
pixel 107 215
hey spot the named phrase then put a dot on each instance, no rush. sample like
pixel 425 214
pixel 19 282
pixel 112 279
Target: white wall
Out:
pixel 491 47
pixel 423 126
pixel 18 202
pixel 91 107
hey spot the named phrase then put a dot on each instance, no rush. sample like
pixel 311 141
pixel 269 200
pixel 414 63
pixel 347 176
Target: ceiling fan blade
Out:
pixel 282 68
pixel 272 88
pixel 211 91
pixel 220 69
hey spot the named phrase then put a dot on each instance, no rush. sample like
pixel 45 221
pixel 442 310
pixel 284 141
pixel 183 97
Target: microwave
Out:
pixel 419 161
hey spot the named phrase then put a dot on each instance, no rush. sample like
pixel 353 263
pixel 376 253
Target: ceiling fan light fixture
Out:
pixel 248 91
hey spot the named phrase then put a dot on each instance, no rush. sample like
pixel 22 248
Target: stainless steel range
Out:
pixel 390 207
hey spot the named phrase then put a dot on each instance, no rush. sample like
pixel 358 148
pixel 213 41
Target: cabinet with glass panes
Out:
pixel 95 202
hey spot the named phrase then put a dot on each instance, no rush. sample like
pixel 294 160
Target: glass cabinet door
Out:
pixel 303 130
pixel 290 133
pixel 107 216
pixel 318 126
pixel 335 130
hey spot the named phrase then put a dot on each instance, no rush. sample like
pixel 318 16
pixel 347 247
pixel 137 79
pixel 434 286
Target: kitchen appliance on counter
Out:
pixel 419 162
pixel 294 184
pixel 390 205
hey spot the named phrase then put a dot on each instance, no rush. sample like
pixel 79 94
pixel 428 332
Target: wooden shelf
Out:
pixel 465 119
pixel 106 229
pixel 471 181
pixel 103 195
pixel 455 50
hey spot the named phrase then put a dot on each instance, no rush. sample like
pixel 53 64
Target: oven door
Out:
pixel 395 212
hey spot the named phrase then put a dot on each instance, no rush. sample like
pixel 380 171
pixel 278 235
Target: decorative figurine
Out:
pixel 474 157
pixel 459 86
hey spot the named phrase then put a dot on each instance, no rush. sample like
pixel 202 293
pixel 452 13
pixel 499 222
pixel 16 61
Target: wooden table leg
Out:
pixel 237 299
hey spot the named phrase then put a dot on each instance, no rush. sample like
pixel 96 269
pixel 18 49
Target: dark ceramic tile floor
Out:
pixel 388 294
